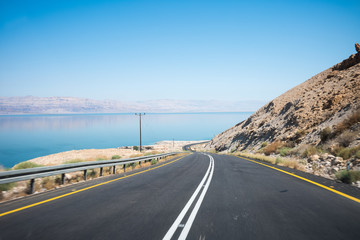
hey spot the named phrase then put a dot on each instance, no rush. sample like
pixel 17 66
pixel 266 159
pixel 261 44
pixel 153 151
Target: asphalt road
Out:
pixel 233 199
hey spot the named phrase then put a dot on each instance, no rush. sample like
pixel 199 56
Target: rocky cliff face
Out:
pixel 300 115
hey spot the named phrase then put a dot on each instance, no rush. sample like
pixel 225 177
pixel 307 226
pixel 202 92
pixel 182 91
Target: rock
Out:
pixel 324 156
pixel 330 158
pixel 334 169
pixel 337 161
pixel 68 176
pixel 314 158
pixel 357 47
pixel 356 165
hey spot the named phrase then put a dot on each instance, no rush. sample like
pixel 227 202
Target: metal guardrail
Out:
pixel 39 172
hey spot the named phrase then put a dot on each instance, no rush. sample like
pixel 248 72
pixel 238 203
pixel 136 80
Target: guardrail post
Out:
pixel 101 172
pixel 140 163
pixel 32 186
pixel 85 174
pixel 124 167
pixel 62 178
pixel 114 169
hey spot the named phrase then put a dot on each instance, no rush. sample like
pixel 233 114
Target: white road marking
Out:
pixel 188 224
pixel 191 219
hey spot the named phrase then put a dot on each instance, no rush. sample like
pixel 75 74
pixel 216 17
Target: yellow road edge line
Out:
pixel 84 189
pixel 304 179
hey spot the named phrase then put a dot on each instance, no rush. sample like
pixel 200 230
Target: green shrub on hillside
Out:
pixel 279 160
pixel 311 150
pixel 6 186
pixel 284 151
pixel 347 153
pixel 116 157
pixel 25 165
pixel 348 176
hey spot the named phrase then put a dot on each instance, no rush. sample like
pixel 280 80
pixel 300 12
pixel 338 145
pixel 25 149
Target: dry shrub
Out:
pixel 310 150
pixel 348 122
pixel 48 183
pixel 346 138
pixel 325 134
pixel 271 148
pixel 257 156
pixel 292 164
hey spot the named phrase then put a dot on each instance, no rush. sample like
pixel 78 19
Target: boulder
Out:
pixel 313 158
pixel 330 158
pixel 324 156
pixel 337 161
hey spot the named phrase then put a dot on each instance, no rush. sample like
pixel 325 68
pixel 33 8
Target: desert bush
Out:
pixel 325 134
pixel 91 173
pixel 154 161
pixel 348 176
pixel 348 122
pixel 264 144
pixel 346 138
pixel 132 165
pixel 311 150
pixel 6 186
pixel 100 159
pixel 48 183
pixel 25 165
pixel 271 148
pixel 116 157
pixel 357 154
pixel 136 148
pixel 347 153
pixel 284 151
pixel 279 160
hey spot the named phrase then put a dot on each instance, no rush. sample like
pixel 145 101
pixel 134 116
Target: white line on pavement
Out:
pixel 188 224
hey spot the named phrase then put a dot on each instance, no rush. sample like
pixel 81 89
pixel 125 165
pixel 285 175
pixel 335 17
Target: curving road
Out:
pixel 200 196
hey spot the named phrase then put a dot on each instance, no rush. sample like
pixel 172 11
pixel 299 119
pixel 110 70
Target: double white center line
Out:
pixel 188 224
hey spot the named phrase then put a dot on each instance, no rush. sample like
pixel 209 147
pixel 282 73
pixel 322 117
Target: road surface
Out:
pixel 199 196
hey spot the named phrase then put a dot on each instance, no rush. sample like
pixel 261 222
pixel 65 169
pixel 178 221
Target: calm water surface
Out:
pixel 26 137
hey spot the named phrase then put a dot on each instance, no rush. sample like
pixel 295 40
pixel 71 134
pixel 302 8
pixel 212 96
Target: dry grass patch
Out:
pixel 291 163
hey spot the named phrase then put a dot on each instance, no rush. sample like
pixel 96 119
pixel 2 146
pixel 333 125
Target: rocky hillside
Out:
pixel 323 108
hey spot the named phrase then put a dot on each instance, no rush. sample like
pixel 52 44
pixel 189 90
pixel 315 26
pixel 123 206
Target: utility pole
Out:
pixel 140 114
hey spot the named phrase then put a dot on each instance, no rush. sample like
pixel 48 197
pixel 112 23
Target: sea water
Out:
pixel 25 137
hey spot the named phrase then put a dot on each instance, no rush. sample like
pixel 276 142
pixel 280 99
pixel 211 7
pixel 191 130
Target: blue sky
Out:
pixel 201 50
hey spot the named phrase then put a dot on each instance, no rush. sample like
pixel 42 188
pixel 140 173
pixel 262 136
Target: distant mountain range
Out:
pixel 71 105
